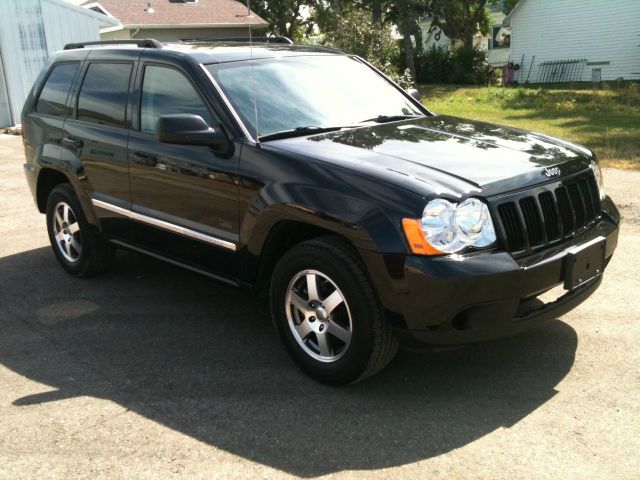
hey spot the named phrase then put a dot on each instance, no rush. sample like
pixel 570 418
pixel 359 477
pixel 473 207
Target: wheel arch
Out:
pixel 284 235
pixel 48 179
pixel 276 237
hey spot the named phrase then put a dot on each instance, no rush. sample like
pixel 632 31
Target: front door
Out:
pixel 184 196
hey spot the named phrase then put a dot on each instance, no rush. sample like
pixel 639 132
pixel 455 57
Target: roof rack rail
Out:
pixel 144 43
pixel 282 40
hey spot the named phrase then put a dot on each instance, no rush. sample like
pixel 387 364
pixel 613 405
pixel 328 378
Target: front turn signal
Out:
pixel 416 238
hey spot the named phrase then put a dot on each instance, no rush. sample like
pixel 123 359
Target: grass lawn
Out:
pixel 606 119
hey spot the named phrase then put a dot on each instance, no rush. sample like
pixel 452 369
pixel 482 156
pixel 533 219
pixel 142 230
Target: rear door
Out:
pixel 44 123
pixel 186 195
pixel 98 131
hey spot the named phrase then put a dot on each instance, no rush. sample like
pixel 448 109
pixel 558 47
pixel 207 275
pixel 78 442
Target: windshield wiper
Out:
pixel 390 118
pixel 298 132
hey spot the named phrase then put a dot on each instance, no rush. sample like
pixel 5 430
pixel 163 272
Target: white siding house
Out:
pixel 603 35
pixel 30 30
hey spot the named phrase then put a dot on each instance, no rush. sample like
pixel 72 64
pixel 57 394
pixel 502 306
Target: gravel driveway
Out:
pixel 154 372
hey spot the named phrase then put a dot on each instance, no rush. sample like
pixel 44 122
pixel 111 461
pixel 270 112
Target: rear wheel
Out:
pixel 77 246
pixel 327 313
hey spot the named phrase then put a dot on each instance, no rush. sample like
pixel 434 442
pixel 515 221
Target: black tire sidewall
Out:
pixel 362 306
pixel 64 193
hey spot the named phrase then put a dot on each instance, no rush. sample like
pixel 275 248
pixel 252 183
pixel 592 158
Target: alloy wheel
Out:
pixel 66 231
pixel 318 316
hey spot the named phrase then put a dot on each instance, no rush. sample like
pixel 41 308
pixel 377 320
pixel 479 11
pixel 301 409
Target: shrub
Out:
pixel 434 65
pixel 632 95
pixel 460 66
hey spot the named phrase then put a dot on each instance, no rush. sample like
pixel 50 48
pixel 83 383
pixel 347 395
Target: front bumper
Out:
pixel 453 300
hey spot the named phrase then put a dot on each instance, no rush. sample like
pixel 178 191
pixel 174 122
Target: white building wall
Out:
pixel 5 111
pixel 597 30
pixel 30 30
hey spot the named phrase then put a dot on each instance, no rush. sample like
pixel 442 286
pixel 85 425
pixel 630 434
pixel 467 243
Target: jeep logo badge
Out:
pixel 552 172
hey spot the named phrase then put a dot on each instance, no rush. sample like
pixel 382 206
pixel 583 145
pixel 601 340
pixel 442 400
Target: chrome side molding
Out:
pixel 164 225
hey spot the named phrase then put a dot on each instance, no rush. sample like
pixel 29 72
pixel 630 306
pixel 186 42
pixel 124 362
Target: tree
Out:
pixel 284 16
pixel 509 5
pixel 406 15
pixel 460 20
pixel 355 32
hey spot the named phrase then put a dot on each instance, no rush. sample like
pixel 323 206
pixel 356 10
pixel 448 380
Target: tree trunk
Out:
pixel 468 41
pixel 337 5
pixel 376 12
pixel 291 30
pixel 408 46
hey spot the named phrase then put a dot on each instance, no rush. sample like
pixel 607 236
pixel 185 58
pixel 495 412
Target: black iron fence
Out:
pixel 560 71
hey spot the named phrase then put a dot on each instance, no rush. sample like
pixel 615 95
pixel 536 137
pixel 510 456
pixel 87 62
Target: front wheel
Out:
pixel 328 314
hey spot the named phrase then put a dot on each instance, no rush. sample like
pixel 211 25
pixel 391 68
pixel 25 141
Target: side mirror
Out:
pixel 414 93
pixel 189 129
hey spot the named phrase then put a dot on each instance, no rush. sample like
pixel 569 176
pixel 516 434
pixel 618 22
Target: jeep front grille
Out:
pixel 533 219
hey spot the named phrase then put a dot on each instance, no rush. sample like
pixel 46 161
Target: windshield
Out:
pixel 303 93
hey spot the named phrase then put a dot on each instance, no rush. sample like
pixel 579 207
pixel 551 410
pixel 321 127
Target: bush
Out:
pixel 460 66
pixel 434 66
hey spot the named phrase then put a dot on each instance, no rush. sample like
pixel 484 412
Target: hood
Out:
pixel 442 154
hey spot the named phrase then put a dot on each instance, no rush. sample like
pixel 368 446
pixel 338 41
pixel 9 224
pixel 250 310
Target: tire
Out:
pixel 358 342
pixel 76 244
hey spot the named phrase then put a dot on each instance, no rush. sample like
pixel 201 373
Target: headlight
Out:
pixel 474 221
pixel 448 227
pixel 597 171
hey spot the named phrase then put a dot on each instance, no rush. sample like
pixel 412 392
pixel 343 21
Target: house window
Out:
pixel 499 40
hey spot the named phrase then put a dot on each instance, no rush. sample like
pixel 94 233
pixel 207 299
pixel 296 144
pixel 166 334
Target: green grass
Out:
pixel 606 119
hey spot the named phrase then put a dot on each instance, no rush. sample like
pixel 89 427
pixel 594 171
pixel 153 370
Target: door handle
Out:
pixel 144 159
pixel 72 142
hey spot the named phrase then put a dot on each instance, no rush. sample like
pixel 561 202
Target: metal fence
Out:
pixel 560 71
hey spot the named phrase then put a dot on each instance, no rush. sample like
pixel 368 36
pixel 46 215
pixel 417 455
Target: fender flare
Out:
pixel 364 225
pixel 59 159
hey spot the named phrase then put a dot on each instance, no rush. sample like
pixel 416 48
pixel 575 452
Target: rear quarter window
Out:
pixel 104 92
pixel 53 96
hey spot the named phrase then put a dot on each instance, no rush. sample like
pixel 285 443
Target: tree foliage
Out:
pixel 284 16
pixel 355 32
pixel 460 20
pixel 509 5
pixel 365 27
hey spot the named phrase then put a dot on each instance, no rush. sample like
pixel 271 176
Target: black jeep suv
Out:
pixel 305 172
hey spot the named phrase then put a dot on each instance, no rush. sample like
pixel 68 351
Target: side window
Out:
pixel 104 92
pixel 56 89
pixel 166 91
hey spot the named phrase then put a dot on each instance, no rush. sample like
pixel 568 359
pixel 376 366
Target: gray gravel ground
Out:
pixel 154 372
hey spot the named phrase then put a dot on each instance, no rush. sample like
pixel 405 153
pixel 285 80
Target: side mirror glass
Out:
pixel 189 129
pixel 414 93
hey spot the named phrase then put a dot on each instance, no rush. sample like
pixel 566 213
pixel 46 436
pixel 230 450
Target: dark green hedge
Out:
pixel 458 65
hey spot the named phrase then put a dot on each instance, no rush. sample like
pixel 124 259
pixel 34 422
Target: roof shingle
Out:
pixel 178 12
